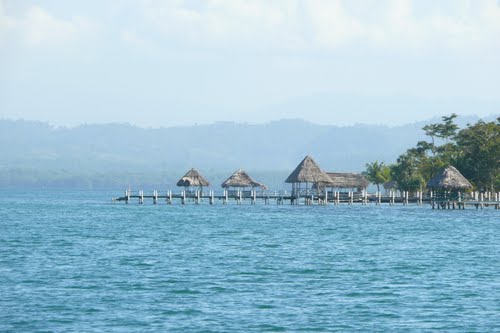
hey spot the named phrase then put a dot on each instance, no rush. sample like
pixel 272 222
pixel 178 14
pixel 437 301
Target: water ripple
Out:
pixel 69 262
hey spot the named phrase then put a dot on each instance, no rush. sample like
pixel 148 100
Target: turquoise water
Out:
pixel 74 262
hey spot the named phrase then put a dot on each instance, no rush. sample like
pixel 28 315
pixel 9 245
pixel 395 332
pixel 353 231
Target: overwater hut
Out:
pixel 192 179
pixel 307 172
pixel 449 182
pixel 347 181
pixel 240 179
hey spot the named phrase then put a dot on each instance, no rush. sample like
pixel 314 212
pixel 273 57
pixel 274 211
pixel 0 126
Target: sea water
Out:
pixel 75 262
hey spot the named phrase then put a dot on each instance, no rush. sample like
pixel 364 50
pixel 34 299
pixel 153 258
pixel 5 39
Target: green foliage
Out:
pixel 446 130
pixel 409 170
pixel 474 150
pixel 479 154
pixel 377 173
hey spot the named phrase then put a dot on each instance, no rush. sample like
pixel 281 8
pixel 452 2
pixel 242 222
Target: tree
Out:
pixel 411 170
pixel 474 150
pixel 445 130
pixel 377 173
pixel 479 154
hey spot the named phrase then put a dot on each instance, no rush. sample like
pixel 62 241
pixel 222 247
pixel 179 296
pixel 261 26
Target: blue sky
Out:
pixel 163 63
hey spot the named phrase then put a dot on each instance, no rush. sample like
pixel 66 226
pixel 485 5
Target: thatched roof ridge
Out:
pixel 308 172
pixel 241 179
pixel 192 178
pixel 449 178
pixel 348 180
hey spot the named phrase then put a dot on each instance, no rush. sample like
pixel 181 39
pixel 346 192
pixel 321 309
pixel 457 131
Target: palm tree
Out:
pixel 377 173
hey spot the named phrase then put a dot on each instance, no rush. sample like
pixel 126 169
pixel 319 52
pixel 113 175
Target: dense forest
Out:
pixel 473 150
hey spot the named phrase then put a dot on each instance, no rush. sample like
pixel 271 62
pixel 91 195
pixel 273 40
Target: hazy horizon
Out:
pixel 461 117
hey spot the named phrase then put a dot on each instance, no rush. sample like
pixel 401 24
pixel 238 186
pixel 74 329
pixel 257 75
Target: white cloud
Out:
pixel 222 22
pixel 6 23
pixel 332 25
pixel 386 24
pixel 38 27
pixel 131 38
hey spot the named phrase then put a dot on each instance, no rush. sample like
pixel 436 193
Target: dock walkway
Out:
pixel 477 200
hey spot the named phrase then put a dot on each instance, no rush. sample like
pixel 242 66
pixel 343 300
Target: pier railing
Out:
pixel 460 200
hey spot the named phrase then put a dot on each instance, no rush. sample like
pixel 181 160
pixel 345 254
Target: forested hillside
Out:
pixel 35 154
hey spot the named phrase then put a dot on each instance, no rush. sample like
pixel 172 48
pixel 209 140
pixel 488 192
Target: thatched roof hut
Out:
pixel 308 172
pixel 192 178
pixel 449 179
pixel 348 180
pixel 241 179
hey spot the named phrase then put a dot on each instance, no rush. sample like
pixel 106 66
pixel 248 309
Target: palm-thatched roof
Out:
pixel 348 180
pixel 192 178
pixel 241 179
pixel 308 172
pixel 449 178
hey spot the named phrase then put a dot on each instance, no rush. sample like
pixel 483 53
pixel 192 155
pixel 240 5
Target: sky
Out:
pixel 182 62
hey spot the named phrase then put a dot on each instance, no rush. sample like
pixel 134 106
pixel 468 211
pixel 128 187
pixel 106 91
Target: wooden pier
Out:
pixel 475 199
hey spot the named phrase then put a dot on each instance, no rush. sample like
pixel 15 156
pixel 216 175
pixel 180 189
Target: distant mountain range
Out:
pixel 35 154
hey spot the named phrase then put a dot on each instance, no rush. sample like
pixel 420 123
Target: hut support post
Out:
pixel 183 199
pixel 141 197
pixel 212 197
pixel 326 197
pixel 127 195
pixel 307 193
pixel 297 195
pixel 155 196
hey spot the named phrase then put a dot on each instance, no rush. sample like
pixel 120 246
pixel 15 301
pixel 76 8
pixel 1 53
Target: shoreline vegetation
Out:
pixel 474 151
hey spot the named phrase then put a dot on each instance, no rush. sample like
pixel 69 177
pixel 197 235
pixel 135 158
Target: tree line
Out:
pixel 473 150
